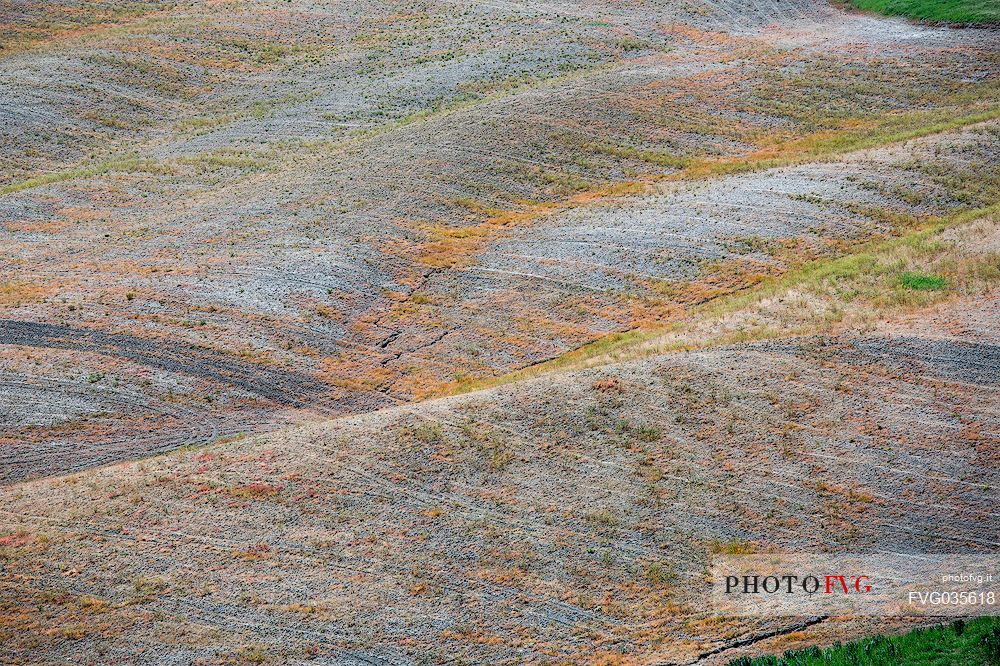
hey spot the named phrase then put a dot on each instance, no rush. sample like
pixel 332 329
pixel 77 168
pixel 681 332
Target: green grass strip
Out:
pixel 960 643
pixel 968 12
pixel 119 165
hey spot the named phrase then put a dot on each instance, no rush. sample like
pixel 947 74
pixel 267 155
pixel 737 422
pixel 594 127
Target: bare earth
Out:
pixel 242 244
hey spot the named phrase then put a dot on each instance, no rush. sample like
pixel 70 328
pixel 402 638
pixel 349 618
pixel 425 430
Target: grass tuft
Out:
pixel 923 282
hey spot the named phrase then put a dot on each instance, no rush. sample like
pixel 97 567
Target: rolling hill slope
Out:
pixel 331 208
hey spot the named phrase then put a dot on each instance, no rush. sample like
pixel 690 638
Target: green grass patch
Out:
pixel 923 282
pixel 940 11
pixel 960 643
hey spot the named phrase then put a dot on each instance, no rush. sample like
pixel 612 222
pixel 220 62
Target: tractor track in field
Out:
pixel 278 386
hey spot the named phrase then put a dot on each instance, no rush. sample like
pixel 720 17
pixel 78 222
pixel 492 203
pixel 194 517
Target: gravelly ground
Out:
pixel 211 194
pixel 350 356
pixel 515 525
pixel 254 214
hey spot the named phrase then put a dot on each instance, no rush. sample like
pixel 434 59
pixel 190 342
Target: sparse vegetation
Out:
pixel 873 281
pixel 602 517
pixel 221 219
pixel 429 433
pixel 734 547
pixel 125 165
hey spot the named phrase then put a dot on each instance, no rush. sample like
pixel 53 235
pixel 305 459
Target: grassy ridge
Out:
pixel 882 130
pixel 121 165
pixel 943 11
pixel 873 280
pixel 961 643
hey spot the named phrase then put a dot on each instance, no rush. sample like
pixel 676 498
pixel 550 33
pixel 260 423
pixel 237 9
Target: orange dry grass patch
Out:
pixel 697 36
pixel 774 149
pixel 17 293
pixel 40 227
pixel 422 383
pixel 452 248
pixel 654 312
pixel 456 247
pixel 62 23
pixel 473 636
pixel 78 214
pixel 611 659
pixel 723 278
pixel 353 372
